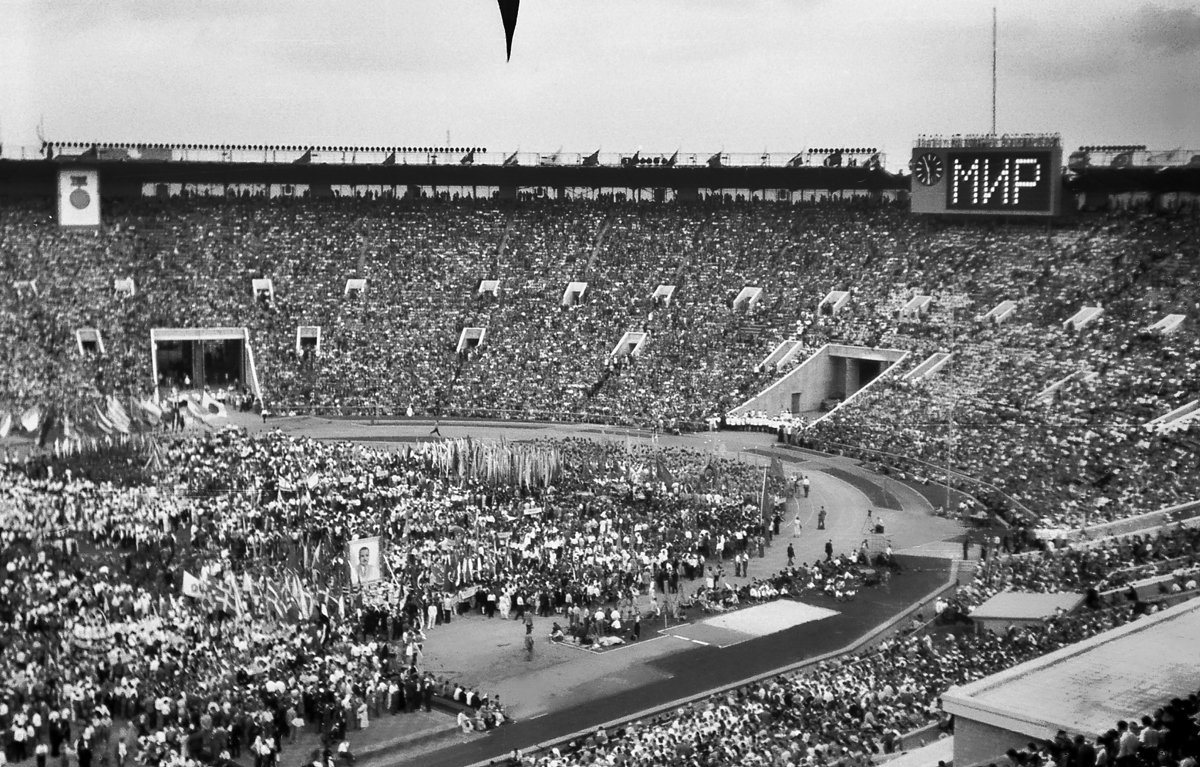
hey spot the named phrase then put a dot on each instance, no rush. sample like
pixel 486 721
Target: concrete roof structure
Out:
pixel 1026 606
pixel 1087 687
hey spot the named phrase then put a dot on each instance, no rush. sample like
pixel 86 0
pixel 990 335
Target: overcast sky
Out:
pixel 701 75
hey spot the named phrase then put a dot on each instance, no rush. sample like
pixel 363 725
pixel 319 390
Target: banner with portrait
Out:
pixel 363 556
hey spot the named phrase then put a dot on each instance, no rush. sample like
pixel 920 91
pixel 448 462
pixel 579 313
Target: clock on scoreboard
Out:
pixel 984 180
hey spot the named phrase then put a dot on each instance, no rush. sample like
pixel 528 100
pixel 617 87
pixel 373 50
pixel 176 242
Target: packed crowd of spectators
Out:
pixel 1168 736
pixel 1078 455
pixel 1109 565
pixel 849 711
pixel 93 565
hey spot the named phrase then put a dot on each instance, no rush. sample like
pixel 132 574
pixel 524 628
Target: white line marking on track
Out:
pixel 689 639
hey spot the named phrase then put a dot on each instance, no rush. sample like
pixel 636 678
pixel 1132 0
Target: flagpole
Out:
pixel 762 499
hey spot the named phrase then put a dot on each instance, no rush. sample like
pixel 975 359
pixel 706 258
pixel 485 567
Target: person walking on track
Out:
pixel 528 637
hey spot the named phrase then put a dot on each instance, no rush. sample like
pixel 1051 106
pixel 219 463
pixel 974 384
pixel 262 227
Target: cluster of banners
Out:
pixel 53 428
pixel 494 463
pixel 286 599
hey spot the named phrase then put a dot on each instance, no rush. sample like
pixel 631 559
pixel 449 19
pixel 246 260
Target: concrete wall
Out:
pixel 834 371
pixel 999 625
pixel 979 743
pixel 853 376
pixel 813 378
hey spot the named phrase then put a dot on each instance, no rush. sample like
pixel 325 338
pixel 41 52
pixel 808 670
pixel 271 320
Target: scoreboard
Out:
pixel 995 181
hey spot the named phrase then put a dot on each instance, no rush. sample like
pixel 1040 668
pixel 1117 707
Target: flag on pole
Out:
pixel 47 425
pixel 664 474
pixel 151 409
pixel 102 421
pixel 31 418
pixel 195 412
pixel 192 586
pixel 764 504
pixel 117 415
pixel 777 470
pixel 213 407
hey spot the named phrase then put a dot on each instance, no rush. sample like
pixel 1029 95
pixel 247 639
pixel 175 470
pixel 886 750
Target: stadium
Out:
pixel 375 454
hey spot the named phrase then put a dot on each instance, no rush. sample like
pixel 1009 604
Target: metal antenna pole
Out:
pixel 993 70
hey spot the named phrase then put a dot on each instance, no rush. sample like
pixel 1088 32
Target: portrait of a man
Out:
pixel 363 556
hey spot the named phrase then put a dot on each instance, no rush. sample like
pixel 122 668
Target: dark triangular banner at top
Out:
pixel 674 159
pixel 468 158
pixel 508 14
pixel 511 160
pixel 303 159
pixel 390 159
pixel 592 159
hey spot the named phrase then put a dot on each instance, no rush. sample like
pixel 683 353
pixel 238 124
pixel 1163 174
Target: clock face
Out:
pixel 928 169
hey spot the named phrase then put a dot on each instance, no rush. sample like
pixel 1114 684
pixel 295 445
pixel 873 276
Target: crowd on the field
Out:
pixel 99 625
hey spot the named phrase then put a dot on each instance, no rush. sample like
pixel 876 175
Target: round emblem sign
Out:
pixel 80 199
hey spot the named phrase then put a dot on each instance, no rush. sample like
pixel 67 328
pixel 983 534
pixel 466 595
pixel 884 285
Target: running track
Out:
pixel 704 668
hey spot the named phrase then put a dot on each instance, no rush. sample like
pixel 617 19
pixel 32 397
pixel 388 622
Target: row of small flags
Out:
pixel 717 160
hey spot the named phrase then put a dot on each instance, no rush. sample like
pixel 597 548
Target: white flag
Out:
pixel 212 407
pixel 192 586
pixel 31 418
